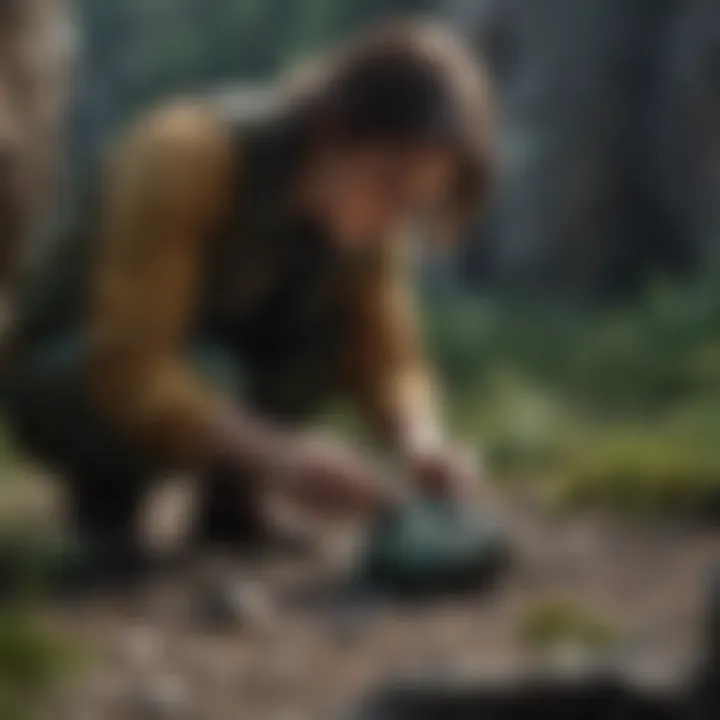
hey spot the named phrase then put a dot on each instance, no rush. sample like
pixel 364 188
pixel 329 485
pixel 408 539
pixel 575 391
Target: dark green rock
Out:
pixel 433 547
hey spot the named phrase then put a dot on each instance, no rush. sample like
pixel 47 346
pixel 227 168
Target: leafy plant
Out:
pixel 612 405
pixel 552 624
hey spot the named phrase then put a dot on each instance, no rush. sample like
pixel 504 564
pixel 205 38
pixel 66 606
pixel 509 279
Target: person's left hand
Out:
pixel 445 469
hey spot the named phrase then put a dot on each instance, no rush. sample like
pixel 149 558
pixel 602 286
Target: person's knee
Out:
pixel 48 411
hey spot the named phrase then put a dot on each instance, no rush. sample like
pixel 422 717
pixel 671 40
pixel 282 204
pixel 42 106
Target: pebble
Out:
pixel 238 604
pixel 167 699
pixel 349 626
pixel 139 648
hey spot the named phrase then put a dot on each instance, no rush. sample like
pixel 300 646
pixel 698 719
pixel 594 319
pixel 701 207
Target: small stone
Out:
pixel 350 624
pixel 166 700
pixel 279 674
pixel 139 649
pixel 287 715
pixel 238 604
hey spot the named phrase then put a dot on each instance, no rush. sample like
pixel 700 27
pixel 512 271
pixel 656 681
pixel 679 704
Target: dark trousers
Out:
pixel 53 419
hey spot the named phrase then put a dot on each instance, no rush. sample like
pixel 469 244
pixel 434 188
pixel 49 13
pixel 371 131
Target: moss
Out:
pixel 551 624
pixel 33 661
pixel 616 406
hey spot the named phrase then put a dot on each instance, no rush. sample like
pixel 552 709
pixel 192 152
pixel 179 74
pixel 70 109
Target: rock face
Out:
pixel 611 139
pixel 688 147
pixel 36 51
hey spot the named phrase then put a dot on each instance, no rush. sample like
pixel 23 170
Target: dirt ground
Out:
pixel 302 648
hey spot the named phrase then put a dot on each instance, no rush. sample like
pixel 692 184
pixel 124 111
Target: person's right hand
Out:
pixel 329 478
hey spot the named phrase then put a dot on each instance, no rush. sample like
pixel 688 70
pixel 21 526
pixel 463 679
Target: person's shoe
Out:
pixel 258 537
pixel 232 518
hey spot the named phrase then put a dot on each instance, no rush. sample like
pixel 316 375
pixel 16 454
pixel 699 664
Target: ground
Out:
pixel 303 650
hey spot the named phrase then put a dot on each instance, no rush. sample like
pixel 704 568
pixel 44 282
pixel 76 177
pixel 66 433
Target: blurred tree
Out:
pixel 138 51
pixel 609 107
pixel 36 49
pixel 611 140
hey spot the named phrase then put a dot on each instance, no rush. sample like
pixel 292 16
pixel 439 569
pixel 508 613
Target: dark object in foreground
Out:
pixel 602 695
pixel 433 547
pixel 706 689
pixel 590 698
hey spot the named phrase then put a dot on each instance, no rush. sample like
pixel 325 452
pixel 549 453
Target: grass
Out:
pixel 553 624
pixel 33 661
pixel 615 406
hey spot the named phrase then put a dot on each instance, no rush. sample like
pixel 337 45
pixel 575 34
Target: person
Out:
pixel 246 262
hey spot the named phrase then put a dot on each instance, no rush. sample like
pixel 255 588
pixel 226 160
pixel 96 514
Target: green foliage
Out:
pixel 619 405
pixel 137 51
pixel 553 624
pixel 33 660
pixel 670 464
pixel 34 657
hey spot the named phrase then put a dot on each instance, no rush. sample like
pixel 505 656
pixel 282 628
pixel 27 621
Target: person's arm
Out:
pixel 393 384
pixel 385 361
pixel 167 185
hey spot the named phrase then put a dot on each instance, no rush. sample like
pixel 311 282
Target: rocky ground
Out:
pixel 282 640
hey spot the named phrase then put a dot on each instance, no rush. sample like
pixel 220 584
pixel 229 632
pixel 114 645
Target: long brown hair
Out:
pixel 410 81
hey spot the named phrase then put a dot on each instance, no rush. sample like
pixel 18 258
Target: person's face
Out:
pixel 366 194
